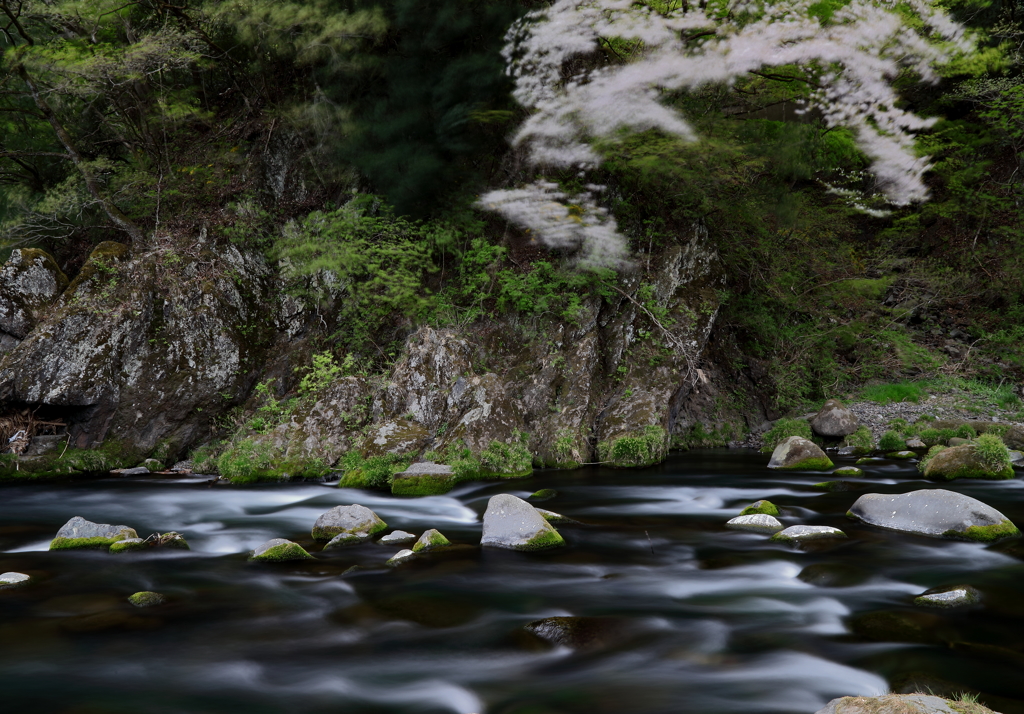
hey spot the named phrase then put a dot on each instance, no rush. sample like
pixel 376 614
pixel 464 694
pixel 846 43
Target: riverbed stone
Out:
pixel 757 522
pixel 898 704
pixel 949 597
pixel 762 506
pixel 400 557
pixel 147 598
pixel 833 575
pixel 839 486
pixel 934 512
pixel 834 420
pixel 916 444
pixel 848 471
pixel 347 524
pixel 397 538
pixel 277 550
pixel 511 522
pixel 584 633
pixel 430 540
pixel 80 533
pixel 14 580
pixel 543 495
pixel 902 454
pixel 552 517
pixel 134 471
pixel 963 462
pixel 123 546
pixel 797 452
pixel 802 534
pixel 424 478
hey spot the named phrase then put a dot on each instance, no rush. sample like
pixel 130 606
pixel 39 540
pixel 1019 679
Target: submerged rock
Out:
pixel 400 557
pixel 963 462
pixel 397 538
pixel 832 575
pixel 905 454
pixel 543 495
pixel 164 540
pixel 511 522
pixel 848 471
pixel 898 626
pixel 797 452
pixel 947 597
pixel 423 479
pixel 552 517
pixel 278 550
pixel 585 633
pixel 933 512
pixel 136 471
pixel 839 486
pixel 80 533
pixel 147 598
pixel 833 419
pixel 127 544
pixel 13 580
pixel 758 522
pixel 762 506
pixel 343 525
pixel 802 534
pixel 429 540
pixel 898 704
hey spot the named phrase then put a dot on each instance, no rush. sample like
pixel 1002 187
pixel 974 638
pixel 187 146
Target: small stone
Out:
pixel 758 522
pixel 127 544
pixel 762 506
pixel 511 522
pixel 955 596
pixel 278 550
pixel 183 466
pixel 833 419
pixel 797 452
pixel 543 495
pixel 1016 457
pixel 865 460
pixel 13 580
pixel 802 534
pixel 848 471
pixel 356 523
pixel 397 538
pixel 916 444
pixel 147 599
pixel 137 471
pixel 400 557
pixel 429 540
pixel 905 454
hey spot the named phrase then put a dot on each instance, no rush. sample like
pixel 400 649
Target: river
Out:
pixel 698 618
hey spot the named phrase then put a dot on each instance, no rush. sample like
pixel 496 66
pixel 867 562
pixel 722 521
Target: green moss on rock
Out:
pixel 423 484
pixel 279 550
pixel 549 539
pixel 635 450
pixel 985 534
pixel 74 543
pixel 848 471
pixel 147 598
pixel 123 546
pixel 543 494
pixel 429 540
pixel 766 507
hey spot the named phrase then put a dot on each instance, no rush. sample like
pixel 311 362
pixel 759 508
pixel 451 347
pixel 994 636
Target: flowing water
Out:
pixel 698 618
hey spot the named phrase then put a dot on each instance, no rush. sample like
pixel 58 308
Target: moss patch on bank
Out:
pixel 635 450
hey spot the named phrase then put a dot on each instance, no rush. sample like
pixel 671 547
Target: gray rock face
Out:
pixel 78 527
pixel 892 704
pixel 955 596
pixel 13 580
pixel 833 419
pixel 350 524
pixel 800 534
pixel 397 538
pixel 30 282
pixel 758 522
pixel 797 452
pixel 933 512
pixel 137 471
pixel 511 522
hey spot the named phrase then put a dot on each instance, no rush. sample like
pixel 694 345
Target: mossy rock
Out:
pixel 279 550
pixel 14 580
pixel 128 544
pixel 958 462
pixel 904 454
pixel 636 449
pixel 865 460
pixel 895 626
pixel 848 471
pixel 430 540
pixel 949 597
pixel 68 464
pixel 147 598
pixel 543 495
pixel 424 479
pixel 511 522
pixel 766 507
pixel 354 523
pixel 839 486
pixel 80 533
pixel 805 534
pixel 798 453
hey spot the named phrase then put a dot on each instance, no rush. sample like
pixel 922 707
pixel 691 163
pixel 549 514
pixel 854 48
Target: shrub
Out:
pixel 782 430
pixel 936 436
pixel 507 459
pixel 242 462
pixel 965 431
pixel 375 471
pixel 901 427
pixel 993 452
pixel 861 439
pixel 891 441
pixel 890 393
pixel 928 457
pixel 204 459
pixel 643 448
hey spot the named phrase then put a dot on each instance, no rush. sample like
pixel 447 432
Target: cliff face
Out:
pixel 145 351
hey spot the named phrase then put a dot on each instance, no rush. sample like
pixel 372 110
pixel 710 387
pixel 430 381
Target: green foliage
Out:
pixel 992 452
pixel 644 448
pixel 936 436
pixel 782 430
pixel 320 376
pixel 501 459
pixel 923 463
pixel 902 427
pixel 892 393
pixel 374 471
pixel 244 461
pixel 861 439
pixel 891 441
pixel 965 431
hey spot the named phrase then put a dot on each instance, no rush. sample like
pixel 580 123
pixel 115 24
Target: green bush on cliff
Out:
pixel 638 449
pixel 782 430
pixel 373 471
pixel 244 461
pixel 992 452
pixel 891 441
pixel 501 459
pixel 861 439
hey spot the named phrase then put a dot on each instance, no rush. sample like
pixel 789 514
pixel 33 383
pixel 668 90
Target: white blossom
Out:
pixel 851 59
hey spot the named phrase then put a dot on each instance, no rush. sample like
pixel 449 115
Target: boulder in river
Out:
pixel 762 506
pixel 543 495
pixel 80 533
pixel 964 461
pixel 511 522
pixel 278 550
pixel 899 704
pixel 400 557
pixel 950 596
pixel 423 479
pixel 430 540
pixel 343 525
pixel 934 512
pixel 757 522
pixel 163 540
pixel 13 580
pixel 397 538
pixel 147 598
pixel 797 452
pixel 586 633
pixel 903 454
pixel 833 419
pixel 839 486
pixel 848 471
pixel 802 534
